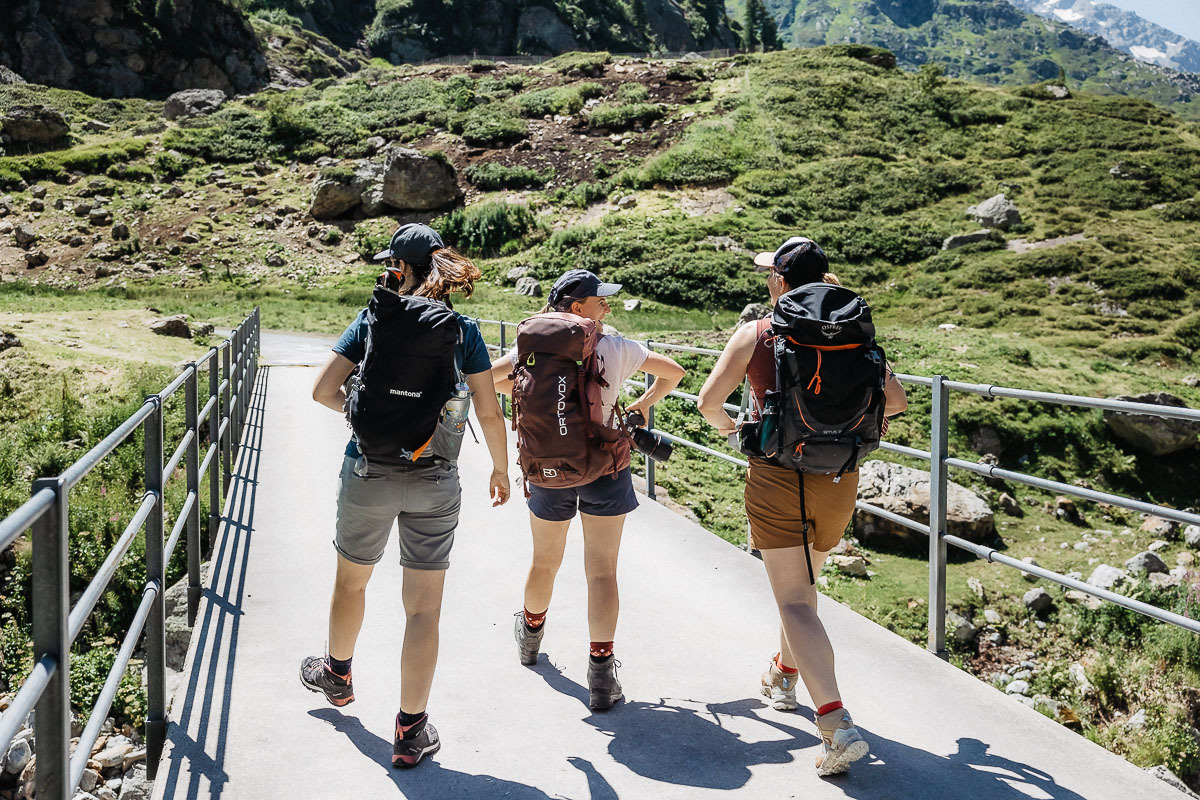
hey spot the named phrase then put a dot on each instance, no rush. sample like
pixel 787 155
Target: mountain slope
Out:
pixel 988 40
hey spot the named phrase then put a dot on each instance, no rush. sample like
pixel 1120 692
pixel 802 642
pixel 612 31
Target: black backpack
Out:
pixel 826 412
pixel 408 373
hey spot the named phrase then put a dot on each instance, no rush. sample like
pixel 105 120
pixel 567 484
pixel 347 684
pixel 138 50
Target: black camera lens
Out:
pixel 651 445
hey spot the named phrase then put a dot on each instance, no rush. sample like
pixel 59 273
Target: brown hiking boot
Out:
pixel 780 687
pixel 603 687
pixel 842 742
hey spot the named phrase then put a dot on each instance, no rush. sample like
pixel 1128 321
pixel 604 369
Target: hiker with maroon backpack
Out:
pixel 821 393
pixel 565 377
pixel 414 367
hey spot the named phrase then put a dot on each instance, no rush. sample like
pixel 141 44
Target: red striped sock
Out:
pixel 786 670
pixel 829 707
pixel 602 649
pixel 534 621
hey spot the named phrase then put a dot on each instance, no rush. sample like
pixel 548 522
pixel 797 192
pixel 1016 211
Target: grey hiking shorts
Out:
pixel 422 500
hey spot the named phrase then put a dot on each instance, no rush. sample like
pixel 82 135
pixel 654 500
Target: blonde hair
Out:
pixel 449 272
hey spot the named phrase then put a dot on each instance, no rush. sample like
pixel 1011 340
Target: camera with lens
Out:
pixel 649 444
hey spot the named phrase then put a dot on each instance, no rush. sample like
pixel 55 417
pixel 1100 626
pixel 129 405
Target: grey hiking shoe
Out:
pixel 780 687
pixel 842 742
pixel 529 640
pixel 604 689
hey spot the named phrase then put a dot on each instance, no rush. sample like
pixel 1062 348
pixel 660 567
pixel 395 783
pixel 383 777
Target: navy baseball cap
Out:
pixel 412 243
pixel 579 284
pixel 799 260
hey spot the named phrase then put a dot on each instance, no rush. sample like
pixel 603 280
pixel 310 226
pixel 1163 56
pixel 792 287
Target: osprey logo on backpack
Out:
pixel 831 330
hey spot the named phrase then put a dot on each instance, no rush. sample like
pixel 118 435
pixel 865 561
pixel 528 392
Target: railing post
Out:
pixel 503 352
pixel 235 406
pixel 938 450
pixel 156 641
pixel 224 403
pixel 50 603
pixel 214 464
pixel 650 426
pixel 192 413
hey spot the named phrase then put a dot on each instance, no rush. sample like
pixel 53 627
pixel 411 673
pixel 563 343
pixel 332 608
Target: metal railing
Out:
pixel 941 387
pixel 231 367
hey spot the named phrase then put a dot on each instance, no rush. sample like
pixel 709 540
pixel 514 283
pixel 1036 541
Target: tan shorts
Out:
pixel 773 506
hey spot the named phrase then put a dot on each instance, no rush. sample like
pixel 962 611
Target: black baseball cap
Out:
pixel 799 260
pixel 579 284
pixel 412 243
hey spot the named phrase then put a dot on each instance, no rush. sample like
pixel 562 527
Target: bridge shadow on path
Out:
pixel 686 743
pixel 432 781
pixel 216 633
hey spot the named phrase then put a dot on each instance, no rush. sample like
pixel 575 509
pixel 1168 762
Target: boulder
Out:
pixel 963 239
pixel 37 191
pixel 334 195
pixel 1105 576
pixel 1058 92
pixel 1191 535
pixel 9 341
pixel 854 566
pixel 1009 504
pixel 529 287
pixel 996 212
pixel 960 627
pixel 753 312
pixel 1037 600
pixel 172 326
pixel 1154 435
pixel 632 304
pixel 193 102
pixel 905 491
pixel 36 125
pixel 415 182
pixel 1158 526
pixel 992 616
pixel 135 785
pixel 8 77
pixel 275 260
pixel 99 216
pixel 25 235
pixel 1018 687
pixel 18 756
pixel 120 231
pixel 516 273
pixel 1145 564
pixel 36 258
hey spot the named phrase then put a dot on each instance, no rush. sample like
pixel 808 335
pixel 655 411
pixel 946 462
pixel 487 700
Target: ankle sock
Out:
pixel 337 666
pixel 409 725
pixel 784 669
pixel 534 621
pixel 829 708
pixel 601 650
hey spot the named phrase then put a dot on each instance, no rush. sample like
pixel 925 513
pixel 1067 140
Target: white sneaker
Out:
pixel 780 687
pixel 842 742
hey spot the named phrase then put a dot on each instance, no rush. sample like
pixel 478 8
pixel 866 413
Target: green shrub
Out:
pixel 490 127
pixel 565 100
pixel 233 136
pixel 580 65
pixel 687 72
pixel 337 173
pixel 493 176
pixel 623 117
pixel 488 229
pixel 633 93
pixel 92 160
pixel 131 172
pixel 172 165
pixel 582 194
pixel 481 65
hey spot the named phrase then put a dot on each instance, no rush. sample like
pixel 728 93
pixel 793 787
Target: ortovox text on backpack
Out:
pixel 562 438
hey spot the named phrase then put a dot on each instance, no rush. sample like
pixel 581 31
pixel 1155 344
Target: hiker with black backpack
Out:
pixel 565 377
pixel 405 373
pixel 821 392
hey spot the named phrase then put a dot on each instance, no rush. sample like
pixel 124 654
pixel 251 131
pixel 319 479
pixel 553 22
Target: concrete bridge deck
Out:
pixel 697 626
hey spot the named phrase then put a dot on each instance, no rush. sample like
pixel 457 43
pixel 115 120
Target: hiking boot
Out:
pixel 604 689
pixel 780 687
pixel 529 640
pixel 317 677
pixel 842 742
pixel 414 743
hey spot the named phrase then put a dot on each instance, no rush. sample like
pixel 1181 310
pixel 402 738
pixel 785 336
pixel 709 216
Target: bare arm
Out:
pixel 726 376
pixel 667 373
pixel 328 389
pixel 491 420
pixel 502 367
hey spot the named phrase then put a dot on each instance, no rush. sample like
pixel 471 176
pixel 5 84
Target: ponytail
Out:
pixel 449 272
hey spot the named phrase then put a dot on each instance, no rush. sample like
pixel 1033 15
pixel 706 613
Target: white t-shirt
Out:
pixel 618 359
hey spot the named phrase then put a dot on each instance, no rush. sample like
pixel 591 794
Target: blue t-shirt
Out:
pixel 471 351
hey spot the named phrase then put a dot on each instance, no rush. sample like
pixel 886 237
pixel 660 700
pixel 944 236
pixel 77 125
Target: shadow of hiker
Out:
pixel 692 747
pixel 432 781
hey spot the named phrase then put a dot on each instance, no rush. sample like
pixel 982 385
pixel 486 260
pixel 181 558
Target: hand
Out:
pixel 726 432
pixel 638 407
pixel 498 488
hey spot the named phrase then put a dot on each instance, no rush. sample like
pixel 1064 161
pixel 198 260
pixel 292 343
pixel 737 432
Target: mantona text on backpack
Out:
pixel 826 412
pixel 407 375
pixel 562 438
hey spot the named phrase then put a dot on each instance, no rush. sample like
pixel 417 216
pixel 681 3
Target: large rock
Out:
pixel 753 312
pixel 172 326
pixel 996 212
pixel 1037 600
pixel 9 340
pixel 36 125
pixel 1164 774
pixel 961 628
pixel 414 182
pixel 337 194
pixel 1145 564
pixel 193 102
pixel 1106 576
pixel 9 78
pixel 964 239
pixel 1154 435
pixel 905 491
pixel 529 287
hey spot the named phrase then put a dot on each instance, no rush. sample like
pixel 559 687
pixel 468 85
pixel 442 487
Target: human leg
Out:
pixel 422 595
pixel 549 541
pixel 347 606
pixel 601 545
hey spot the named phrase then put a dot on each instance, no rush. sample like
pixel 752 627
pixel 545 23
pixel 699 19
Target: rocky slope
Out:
pixel 1122 29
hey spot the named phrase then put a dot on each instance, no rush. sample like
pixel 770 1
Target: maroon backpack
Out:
pixel 562 438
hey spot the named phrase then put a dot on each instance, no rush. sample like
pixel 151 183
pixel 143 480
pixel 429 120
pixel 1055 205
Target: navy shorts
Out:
pixel 610 496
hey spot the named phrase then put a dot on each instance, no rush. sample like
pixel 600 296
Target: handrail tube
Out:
pixel 83 751
pixel 208 455
pixel 989 471
pixel 990 554
pixel 180 523
pixel 632 384
pixel 91 595
pixel 891 516
pixel 169 470
pixel 74 473
pixel 202 360
pixel 174 385
pixel 12 526
pixel 223 385
pixel 906 451
pixel 682 348
pixel 919 380
pixel 702 448
pixel 1126 406
pixel 17 712
pixel 208 407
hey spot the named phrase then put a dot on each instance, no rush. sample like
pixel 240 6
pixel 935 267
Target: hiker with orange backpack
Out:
pixel 414 367
pixel 822 393
pixel 565 377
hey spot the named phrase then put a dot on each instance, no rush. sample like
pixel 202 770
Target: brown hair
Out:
pixel 448 272
pixel 827 277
